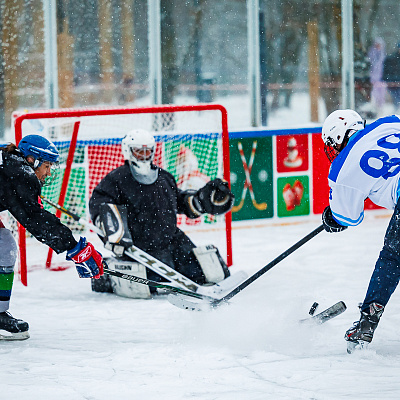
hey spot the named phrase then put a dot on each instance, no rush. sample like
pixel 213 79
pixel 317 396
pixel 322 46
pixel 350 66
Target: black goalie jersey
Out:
pixel 152 209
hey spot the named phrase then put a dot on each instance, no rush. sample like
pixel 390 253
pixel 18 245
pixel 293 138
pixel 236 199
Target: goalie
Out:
pixel 137 203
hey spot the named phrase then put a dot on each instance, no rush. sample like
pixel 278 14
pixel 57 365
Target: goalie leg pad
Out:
pixel 125 288
pixel 214 268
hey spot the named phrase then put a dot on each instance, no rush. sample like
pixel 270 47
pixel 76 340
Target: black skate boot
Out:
pixel 362 331
pixel 12 328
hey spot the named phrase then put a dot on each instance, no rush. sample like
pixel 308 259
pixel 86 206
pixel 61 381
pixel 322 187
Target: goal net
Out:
pixel 192 143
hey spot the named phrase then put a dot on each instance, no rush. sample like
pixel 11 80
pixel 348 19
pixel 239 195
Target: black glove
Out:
pixel 214 198
pixel 330 225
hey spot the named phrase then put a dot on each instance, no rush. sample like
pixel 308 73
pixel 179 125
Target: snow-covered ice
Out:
pixel 88 345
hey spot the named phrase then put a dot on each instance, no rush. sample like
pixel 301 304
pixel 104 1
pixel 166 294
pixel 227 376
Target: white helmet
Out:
pixel 338 126
pixel 138 147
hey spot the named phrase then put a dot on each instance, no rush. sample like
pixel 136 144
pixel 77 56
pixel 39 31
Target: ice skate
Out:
pixel 12 328
pixel 362 331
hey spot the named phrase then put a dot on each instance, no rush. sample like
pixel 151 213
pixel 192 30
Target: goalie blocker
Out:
pixel 117 238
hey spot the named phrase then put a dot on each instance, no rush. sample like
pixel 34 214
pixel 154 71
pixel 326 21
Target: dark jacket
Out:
pixel 20 194
pixel 391 68
pixel 152 209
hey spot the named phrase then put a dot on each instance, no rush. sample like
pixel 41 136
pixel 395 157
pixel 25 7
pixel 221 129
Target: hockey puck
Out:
pixel 313 308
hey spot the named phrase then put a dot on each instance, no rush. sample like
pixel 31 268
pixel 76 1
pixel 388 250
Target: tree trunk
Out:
pixel 313 68
pixel 105 36
pixel 9 44
pixel 128 52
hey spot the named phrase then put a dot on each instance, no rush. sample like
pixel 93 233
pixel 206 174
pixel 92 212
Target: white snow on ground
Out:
pixel 87 345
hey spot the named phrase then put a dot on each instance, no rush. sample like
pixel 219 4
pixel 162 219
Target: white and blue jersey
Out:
pixel 369 166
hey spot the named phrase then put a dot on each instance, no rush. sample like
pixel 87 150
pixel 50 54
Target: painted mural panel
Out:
pixel 293 196
pixel 291 153
pixel 252 177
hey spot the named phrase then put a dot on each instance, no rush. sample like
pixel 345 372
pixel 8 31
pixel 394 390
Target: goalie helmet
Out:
pixel 138 148
pixel 338 127
pixel 40 148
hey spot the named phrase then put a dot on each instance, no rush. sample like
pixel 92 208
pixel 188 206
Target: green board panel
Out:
pixel 293 196
pixel 254 197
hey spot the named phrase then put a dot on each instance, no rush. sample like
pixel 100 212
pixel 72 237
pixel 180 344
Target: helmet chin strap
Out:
pixel 36 163
pixel 144 175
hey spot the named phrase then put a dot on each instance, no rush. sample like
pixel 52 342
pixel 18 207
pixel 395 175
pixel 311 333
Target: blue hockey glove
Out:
pixel 88 262
pixel 330 225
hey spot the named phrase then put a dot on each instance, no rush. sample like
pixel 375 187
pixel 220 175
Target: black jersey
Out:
pixel 152 209
pixel 20 191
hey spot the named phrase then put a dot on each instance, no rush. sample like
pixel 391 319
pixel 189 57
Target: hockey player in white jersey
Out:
pixel 365 164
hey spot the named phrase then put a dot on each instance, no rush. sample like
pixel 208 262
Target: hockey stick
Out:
pixel 215 291
pixel 158 285
pixel 245 187
pixel 181 302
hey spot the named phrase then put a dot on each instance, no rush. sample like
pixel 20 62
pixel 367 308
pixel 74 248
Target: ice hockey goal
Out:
pixel 192 144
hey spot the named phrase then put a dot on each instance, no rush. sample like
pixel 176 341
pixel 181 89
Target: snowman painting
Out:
pixel 187 170
pixel 293 159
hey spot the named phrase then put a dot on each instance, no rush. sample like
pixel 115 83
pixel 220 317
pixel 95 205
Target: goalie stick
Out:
pixel 158 285
pixel 215 291
pixel 186 304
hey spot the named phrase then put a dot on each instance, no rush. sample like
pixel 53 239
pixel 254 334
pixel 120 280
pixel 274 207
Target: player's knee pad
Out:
pixel 124 287
pixel 8 251
pixel 211 263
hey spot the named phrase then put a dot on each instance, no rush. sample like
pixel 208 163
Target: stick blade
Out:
pixel 224 287
pixel 326 315
pixel 189 303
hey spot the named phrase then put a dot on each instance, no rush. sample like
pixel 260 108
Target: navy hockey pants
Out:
pixel 386 275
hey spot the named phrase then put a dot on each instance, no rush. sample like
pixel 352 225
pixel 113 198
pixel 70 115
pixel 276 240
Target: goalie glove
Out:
pixel 88 262
pixel 213 198
pixel 330 225
pixel 113 220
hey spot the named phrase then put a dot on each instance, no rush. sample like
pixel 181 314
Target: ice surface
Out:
pixel 87 345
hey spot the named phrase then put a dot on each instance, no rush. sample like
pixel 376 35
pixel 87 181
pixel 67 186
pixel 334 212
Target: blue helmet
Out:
pixel 40 148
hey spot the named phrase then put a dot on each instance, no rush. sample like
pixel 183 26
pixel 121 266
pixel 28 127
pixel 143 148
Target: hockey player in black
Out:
pixel 23 172
pixel 152 201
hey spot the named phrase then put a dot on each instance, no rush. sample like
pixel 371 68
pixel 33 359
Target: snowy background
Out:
pixel 87 345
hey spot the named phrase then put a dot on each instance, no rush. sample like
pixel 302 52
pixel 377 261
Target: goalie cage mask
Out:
pixel 138 148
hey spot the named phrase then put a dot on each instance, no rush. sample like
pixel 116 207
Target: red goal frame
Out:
pixel 18 119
